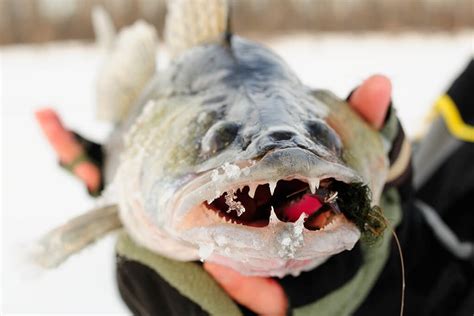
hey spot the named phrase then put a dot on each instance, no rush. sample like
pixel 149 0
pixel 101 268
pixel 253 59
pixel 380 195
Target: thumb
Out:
pixel 263 296
pixel 372 99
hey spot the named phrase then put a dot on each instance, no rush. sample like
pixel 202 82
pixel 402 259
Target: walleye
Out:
pixel 227 157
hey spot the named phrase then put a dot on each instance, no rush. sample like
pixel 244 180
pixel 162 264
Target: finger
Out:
pixel 372 99
pixel 263 296
pixel 62 140
pixel 67 148
pixel 89 174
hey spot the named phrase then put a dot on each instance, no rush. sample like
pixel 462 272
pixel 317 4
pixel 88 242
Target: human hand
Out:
pixel 68 149
pixel 265 296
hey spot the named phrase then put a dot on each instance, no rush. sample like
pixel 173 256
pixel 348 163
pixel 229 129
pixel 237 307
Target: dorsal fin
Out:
pixel 104 28
pixel 129 65
pixel 194 22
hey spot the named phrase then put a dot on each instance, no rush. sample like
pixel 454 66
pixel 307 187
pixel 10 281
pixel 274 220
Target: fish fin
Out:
pixel 129 65
pixel 56 246
pixel 194 22
pixel 104 28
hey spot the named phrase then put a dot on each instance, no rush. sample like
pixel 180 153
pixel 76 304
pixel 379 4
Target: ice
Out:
pixel 234 205
pixel 299 225
pixel 205 250
pixel 215 175
pixel 220 240
pixel 291 238
pixel 286 241
pixel 231 171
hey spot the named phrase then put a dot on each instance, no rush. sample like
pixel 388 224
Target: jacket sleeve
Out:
pixel 146 293
pixel 399 154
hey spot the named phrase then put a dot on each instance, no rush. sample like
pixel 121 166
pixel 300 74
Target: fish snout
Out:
pixel 279 139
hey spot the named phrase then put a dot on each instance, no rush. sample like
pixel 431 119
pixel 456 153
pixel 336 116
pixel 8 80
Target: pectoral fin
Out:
pixel 56 246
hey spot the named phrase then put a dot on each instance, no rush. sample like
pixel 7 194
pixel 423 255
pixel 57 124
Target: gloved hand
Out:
pixel 265 296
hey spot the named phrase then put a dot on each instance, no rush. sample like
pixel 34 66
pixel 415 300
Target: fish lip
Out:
pixel 279 164
pixel 265 244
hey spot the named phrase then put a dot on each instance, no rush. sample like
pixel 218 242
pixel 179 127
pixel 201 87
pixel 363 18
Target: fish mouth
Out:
pixel 253 204
pixel 285 212
pixel 285 184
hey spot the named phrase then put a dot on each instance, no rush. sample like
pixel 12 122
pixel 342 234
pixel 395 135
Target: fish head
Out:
pixel 267 177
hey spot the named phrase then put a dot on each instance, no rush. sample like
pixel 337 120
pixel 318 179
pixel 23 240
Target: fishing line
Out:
pixel 402 264
pixel 297 192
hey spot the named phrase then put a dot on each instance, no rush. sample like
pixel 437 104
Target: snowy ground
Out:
pixel 37 195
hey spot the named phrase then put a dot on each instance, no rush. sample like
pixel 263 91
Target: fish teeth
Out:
pixel 313 185
pixel 214 216
pixel 212 199
pixel 273 216
pixel 272 185
pixel 252 189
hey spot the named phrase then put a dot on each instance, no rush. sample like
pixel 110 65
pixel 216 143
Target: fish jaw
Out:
pixel 196 230
pixel 279 249
pixel 185 223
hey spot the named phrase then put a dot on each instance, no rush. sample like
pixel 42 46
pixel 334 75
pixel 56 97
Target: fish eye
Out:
pixel 323 134
pixel 219 136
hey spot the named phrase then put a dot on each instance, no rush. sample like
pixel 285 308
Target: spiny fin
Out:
pixel 56 246
pixel 104 28
pixel 129 65
pixel 194 22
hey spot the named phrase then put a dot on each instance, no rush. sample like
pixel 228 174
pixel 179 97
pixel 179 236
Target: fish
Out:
pixel 226 156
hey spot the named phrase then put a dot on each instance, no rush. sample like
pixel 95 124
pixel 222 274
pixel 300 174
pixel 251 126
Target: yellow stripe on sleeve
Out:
pixel 456 126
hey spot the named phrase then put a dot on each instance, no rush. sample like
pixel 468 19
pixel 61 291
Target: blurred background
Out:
pixel 24 21
pixel 48 58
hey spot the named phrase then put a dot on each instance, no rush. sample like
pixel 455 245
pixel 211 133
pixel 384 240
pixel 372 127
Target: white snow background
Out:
pixel 37 195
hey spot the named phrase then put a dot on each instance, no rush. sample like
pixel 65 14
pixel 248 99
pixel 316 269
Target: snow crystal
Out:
pixel 299 225
pixel 214 175
pixel 221 240
pixel 234 205
pixel 205 251
pixel 292 238
pixel 286 241
pixel 231 171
